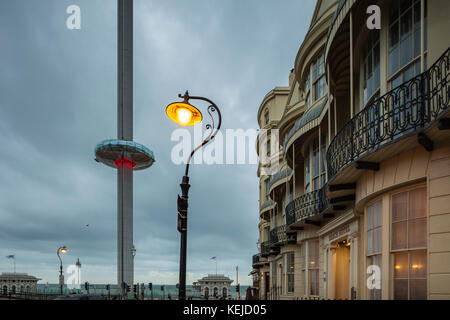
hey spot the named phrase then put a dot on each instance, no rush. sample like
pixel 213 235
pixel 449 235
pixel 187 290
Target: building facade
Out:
pixel 215 286
pixel 360 205
pixel 12 283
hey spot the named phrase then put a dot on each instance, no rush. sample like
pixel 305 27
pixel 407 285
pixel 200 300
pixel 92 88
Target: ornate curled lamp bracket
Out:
pixel 212 109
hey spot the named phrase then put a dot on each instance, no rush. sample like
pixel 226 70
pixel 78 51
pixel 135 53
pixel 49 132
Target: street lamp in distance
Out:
pixel 60 250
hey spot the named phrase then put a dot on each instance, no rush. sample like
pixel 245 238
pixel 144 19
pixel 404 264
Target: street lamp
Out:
pixel 133 253
pixel 186 114
pixel 60 250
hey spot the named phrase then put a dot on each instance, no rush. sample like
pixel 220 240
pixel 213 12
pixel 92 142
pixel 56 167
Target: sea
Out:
pixel 160 291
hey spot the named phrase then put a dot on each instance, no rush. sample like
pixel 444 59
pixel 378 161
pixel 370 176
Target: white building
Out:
pixel 17 283
pixel 215 286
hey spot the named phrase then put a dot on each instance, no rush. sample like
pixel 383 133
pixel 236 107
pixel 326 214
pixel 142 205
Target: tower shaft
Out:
pixel 125 132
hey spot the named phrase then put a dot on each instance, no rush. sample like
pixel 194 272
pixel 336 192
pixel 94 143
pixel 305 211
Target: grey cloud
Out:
pixel 58 100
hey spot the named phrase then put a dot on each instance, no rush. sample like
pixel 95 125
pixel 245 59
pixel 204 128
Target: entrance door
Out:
pixel 266 285
pixel 342 276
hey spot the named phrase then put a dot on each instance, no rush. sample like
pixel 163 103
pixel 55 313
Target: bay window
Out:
pixel 308 89
pixel 374 242
pixel 313 267
pixel 315 166
pixel 409 244
pixel 372 66
pixel 405 39
pixel 319 77
pixel 290 272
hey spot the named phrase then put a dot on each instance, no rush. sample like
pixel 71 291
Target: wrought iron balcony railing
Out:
pixel 265 249
pixel 408 109
pixel 306 206
pixel 278 236
pixel 256 259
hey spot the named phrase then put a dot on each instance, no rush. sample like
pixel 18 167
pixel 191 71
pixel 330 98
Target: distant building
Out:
pixel 215 286
pixel 17 283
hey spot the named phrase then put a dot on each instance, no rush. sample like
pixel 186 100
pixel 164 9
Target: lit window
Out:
pixel 374 242
pixel 409 242
pixel 290 272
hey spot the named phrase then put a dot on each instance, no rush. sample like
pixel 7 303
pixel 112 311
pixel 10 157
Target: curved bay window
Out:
pixel 372 66
pixel 317 71
pixel 290 272
pixel 310 267
pixel 308 89
pixel 409 244
pixel 319 77
pixel 374 243
pixel 405 40
pixel 313 267
pixel 315 169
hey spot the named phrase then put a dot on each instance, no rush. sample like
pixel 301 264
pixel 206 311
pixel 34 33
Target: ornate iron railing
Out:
pixel 278 235
pixel 309 205
pixel 256 258
pixel 265 248
pixel 401 112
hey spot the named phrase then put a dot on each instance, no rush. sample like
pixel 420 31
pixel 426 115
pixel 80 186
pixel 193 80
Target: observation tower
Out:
pixel 123 153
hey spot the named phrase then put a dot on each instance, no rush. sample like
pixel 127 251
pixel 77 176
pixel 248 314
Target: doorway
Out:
pixel 342 276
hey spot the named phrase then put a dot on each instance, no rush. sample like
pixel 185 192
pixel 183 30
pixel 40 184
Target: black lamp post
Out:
pixel 60 250
pixel 186 114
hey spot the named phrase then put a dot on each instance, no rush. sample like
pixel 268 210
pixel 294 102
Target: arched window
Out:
pixel 13 289
pixel 224 292
pixel 206 292
pixel 5 290
pixel 216 292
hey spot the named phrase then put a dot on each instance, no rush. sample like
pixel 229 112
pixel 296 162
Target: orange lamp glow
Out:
pixel 63 249
pixel 397 267
pixel 184 114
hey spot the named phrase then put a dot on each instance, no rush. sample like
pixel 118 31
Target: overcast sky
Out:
pixel 58 100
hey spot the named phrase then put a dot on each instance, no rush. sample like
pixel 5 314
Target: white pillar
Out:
pixel 125 132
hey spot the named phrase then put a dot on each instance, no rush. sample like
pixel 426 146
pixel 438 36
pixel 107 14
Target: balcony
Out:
pixel 265 249
pixel 256 259
pixel 412 108
pixel 276 178
pixel 278 236
pixel 307 208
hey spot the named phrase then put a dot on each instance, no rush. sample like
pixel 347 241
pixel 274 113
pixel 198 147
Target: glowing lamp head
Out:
pixel 184 114
pixel 63 249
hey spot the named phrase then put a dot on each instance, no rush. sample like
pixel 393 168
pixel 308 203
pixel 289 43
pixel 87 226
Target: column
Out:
pixel 354 263
pixel 125 132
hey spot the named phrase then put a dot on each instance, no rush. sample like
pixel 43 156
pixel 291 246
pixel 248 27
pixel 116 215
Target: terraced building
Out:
pixel 360 206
